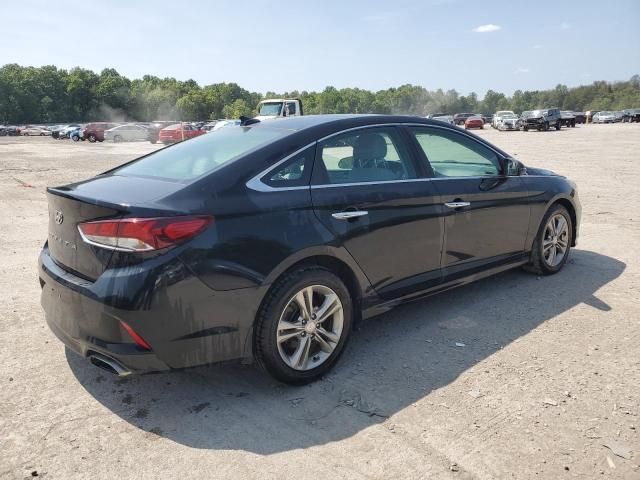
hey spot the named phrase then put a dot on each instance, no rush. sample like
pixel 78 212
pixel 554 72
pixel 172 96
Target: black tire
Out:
pixel 92 138
pixel 558 126
pixel 525 129
pixel 546 126
pixel 266 346
pixel 75 138
pixel 537 263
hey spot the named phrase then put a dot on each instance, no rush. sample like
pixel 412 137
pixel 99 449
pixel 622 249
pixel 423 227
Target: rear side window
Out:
pixel 295 172
pixel 451 154
pixel 368 155
pixel 195 157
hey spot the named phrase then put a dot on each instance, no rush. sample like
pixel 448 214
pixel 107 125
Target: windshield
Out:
pixel 190 159
pixel 270 109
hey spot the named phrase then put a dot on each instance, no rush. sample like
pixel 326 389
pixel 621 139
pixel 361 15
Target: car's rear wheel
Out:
pixel 552 244
pixel 117 139
pixel 304 325
pixel 92 138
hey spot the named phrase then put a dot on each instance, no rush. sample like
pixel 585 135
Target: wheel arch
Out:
pixel 335 260
pixel 566 203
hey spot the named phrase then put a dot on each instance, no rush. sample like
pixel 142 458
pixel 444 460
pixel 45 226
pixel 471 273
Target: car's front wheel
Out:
pixel 304 325
pixel 553 242
pixel 92 138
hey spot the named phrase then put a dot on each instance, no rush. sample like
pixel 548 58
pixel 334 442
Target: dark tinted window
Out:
pixel 452 154
pixel 295 172
pixel 368 155
pixel 201 155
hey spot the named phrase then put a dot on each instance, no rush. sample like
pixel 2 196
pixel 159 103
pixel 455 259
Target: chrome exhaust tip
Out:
pixel 108 364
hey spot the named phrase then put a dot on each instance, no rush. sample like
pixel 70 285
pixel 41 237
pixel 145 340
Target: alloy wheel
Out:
pixel 310 327
pixel 555 241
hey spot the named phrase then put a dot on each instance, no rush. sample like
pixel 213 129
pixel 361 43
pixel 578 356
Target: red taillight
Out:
pixel 143 234
pixel 136 338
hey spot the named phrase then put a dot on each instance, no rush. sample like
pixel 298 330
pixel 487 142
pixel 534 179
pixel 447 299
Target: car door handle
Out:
pixel 457 204
pixel 349 215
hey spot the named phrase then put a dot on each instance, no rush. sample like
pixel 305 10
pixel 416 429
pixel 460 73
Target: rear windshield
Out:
pixel 201 155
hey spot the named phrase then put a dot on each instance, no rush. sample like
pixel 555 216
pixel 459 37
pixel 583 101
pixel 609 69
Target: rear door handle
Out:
pixel 349 215
pixel 457 204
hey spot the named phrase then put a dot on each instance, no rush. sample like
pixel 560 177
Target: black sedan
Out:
pixel 269 240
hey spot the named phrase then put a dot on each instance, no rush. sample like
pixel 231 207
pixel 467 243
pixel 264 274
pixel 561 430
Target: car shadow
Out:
pixel 392 361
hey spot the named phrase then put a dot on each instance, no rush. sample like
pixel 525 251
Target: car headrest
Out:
pixel 369 146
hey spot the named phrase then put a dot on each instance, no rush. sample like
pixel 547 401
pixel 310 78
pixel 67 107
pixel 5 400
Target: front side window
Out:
pixel 368 155
pixel 291 108
pixel 451 154
pixel 188 160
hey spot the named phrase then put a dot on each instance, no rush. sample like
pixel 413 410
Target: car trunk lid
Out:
pixel 102 197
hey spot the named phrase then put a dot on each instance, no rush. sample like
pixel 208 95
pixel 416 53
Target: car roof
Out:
pixel 339 121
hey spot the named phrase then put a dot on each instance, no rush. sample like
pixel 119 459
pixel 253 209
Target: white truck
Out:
pixel 279 107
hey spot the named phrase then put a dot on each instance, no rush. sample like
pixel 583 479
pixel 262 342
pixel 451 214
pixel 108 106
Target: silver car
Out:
pixel 604 117
pixel 126 133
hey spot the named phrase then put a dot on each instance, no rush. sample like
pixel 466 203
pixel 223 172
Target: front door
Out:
pixel 486 212
pixel 370 192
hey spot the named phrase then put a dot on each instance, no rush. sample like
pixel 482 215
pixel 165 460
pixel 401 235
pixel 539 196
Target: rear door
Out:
pixel 370 191
pixel 486 212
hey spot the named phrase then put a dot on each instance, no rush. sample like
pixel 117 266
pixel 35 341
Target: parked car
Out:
pixel 126 133
pixel 604 117
pixel 580 117
pixel 459 118
pixel 207 127
pixel 567 118
pixel 9 131
pixel 178 132
pixel 34 131
pixel 94 132
pixel 76 134
pixel 508 122
pixel 65 132
pixel 474 122
pixel 496 117
pixel 191 255
pixel 542 119
pixel 437 114
pixel 633 114
pixel 445 118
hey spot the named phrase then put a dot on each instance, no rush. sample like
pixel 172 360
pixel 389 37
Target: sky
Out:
pixel 269 45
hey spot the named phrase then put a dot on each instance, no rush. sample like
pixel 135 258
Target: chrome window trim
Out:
pixel 258 185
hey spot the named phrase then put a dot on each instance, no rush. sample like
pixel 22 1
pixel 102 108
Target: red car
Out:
pixel 94 132
pixel 473 122
pixel 178 132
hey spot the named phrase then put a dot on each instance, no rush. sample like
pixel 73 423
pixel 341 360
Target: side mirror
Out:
pixel 514 168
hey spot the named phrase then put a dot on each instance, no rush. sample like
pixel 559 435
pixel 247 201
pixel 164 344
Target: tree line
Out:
pixel 51 95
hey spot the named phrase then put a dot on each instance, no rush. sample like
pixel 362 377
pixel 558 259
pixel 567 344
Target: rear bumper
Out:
pixel 185 322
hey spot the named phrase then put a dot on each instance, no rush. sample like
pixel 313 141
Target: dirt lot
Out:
pixel 549 372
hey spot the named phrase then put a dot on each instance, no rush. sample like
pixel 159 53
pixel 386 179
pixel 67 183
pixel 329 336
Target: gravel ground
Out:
pixel 548 375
